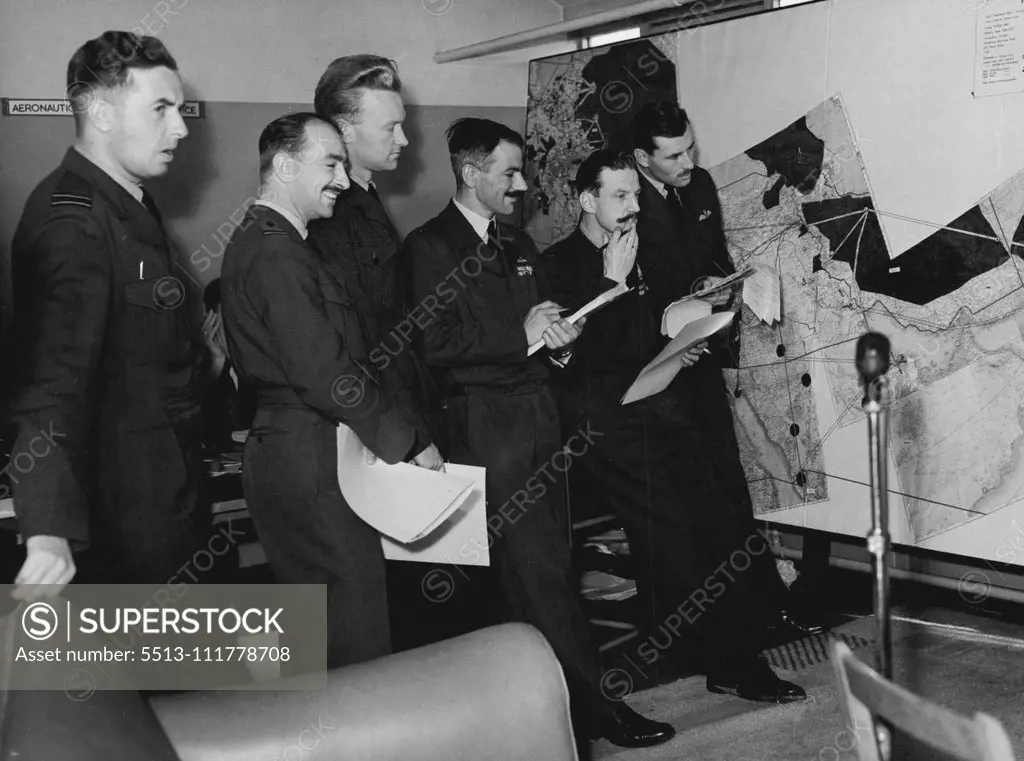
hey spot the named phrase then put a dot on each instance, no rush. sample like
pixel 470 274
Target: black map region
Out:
pixel 625 78
pixel 938 265
pixel 795 154
pixel 840 220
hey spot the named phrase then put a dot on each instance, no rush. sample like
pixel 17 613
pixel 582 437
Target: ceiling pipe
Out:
pixel 510 41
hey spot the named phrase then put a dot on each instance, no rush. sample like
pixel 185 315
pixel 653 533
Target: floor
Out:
pixel 966 660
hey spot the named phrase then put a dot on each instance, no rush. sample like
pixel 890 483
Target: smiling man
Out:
pixel 104 392
pixel 295 337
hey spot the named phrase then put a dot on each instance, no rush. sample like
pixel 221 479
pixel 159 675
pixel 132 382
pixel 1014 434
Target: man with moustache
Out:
pixel 295 337
pixel 682 249
pixel 500 412
pixel 645 462
pixel 362 96
pixel 106 371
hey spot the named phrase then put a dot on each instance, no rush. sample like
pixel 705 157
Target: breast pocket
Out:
pixel 343 315
pixel 149 322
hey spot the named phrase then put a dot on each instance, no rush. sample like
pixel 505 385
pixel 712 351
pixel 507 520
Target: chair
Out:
pixel 871 703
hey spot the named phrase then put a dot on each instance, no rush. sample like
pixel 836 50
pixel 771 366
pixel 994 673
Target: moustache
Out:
pixel 625 219
pixel 515 194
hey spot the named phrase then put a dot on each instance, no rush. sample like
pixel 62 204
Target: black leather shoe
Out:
pixel 757 682
pixel 792 625
pixel 628 729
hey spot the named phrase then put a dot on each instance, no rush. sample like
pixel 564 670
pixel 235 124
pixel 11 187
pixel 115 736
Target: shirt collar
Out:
pixel 364 184
pixel 133 189
pixel 659 186
pixel 297 223
pixel 480 223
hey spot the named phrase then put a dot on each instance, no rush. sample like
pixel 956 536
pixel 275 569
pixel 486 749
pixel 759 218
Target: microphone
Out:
pixel 872 360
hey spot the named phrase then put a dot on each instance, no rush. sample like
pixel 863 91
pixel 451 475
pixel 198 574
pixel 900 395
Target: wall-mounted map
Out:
pixel 580 102
pixel 950 305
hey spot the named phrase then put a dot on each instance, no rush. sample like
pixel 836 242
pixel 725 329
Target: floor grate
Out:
pixel 811 651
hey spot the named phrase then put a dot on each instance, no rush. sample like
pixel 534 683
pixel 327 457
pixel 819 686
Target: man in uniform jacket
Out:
pixel 649 463
pixel 683 249
pixel 295 337
pixel 106 367
pixel 476 280
pixel 362 96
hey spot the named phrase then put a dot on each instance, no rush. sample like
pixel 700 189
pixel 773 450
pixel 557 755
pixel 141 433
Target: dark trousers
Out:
pixel 310 534
pixel 515 436
pixel 696 561
pixel 150 523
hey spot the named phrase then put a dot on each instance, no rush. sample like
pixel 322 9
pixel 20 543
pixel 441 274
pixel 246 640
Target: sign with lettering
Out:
pixel 191 109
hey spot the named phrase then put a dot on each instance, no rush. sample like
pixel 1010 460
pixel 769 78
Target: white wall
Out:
pixel 273 51
pixel 905 71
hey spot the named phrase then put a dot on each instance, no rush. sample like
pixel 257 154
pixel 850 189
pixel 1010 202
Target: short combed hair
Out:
pixel 106 62
pixel 286 134
pixel 657 119
pixel 472 141
pixel 588 176
pixel 339 91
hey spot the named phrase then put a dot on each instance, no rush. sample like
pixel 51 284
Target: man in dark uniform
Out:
pixel 294 335
pixel 648 464
pixel 362 96
pixel 682 250
pixel 106 369
pixel 478 279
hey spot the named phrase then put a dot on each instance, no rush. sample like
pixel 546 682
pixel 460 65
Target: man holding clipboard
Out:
pixel 649 463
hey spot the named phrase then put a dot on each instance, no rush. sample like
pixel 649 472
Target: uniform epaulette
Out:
pixel 72 190
pixel 270 227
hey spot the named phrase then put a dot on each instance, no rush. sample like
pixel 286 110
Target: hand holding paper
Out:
pixel 605 298
pixel 660 371
pixel 401 501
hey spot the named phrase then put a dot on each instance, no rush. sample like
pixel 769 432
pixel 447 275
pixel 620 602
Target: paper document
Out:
pixel 680 313
pixel 6 508
pixel 732 281
pixel 762 294
pixel 605 298
pixel 660 371
pixel 998 47
pixel 461 539
pixel 402 501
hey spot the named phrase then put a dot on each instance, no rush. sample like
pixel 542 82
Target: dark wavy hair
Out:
pixel 106 62
pixel 339 92
pixel 588 176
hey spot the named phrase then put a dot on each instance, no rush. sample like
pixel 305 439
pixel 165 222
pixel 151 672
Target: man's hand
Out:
pixel 538 319
pixel 718 299
pixel 691 356
pixel 215 341
pixel 620 254
pixel 430 459
pixel 560 334
pixel 49 562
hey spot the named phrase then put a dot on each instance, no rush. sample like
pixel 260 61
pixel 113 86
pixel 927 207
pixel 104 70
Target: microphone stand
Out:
pixel 873 362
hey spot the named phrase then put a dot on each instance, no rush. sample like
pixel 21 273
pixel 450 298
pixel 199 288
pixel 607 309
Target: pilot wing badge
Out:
pixel 523 267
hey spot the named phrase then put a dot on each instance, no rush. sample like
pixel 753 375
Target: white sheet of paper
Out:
pixel 461 539
pixel 660 371
pixel 6 508
pixel 402 501
pixel 761 293
pixel 998 48
pixel 681 313
pixel 592 306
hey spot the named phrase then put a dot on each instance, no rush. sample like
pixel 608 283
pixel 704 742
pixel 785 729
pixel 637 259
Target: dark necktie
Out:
pixel 150 204
pixel 372 190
